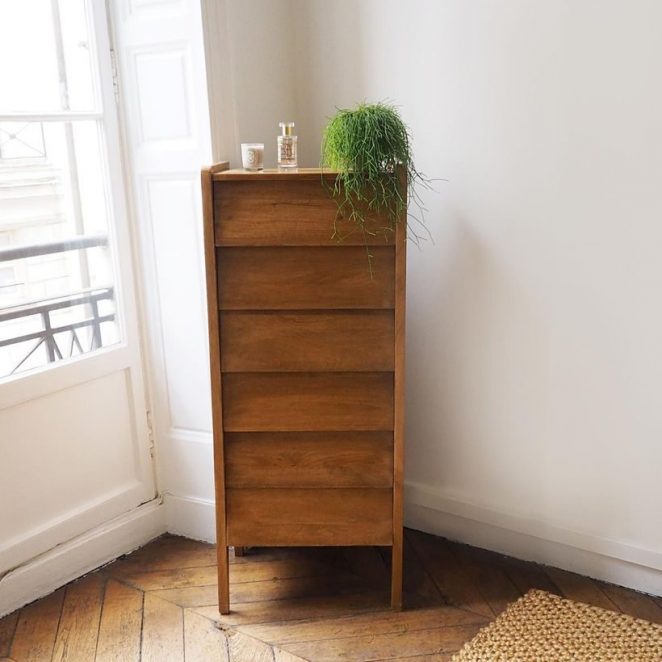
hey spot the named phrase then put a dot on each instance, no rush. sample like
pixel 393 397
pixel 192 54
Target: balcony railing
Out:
pixel 62 338
pixel 47 334
pixel 46 248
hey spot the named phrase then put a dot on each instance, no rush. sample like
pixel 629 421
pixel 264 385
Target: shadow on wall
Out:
pixel 317 100
pixel 481 396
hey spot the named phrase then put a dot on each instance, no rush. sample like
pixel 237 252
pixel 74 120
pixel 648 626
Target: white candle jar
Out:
pixel 252 156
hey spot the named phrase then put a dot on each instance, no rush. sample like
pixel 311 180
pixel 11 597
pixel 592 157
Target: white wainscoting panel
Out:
pixel 76 462
pixel 164 110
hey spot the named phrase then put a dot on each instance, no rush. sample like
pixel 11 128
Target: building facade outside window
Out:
pixel 57 298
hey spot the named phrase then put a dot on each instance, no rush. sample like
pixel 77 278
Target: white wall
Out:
pixel 250 63
pixel 534 322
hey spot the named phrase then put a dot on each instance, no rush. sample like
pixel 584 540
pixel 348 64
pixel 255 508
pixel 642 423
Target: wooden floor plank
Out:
pixel 285 656
pixel 280 613
pixel 77 634
pixel 7 629
pixel 163 631
pixel 166 552
pixel 633 604
pixel 527 576
pixel 299 609
pixel 385 622
pixel 369 647
pixel 276 589
pixel 448 575
pixel 493 583
pixel 36 629
pixel 239 573
pixel 203 641
pixel 367 564
pixel 581 589
pixel 243 647
pixel 121 624
pixel 435 657
pixel 419 589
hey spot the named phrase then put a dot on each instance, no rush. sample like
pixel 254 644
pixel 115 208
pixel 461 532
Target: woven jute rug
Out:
pixel 541 627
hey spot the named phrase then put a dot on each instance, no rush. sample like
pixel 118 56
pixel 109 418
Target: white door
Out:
pixel 163 93
pixel 74 441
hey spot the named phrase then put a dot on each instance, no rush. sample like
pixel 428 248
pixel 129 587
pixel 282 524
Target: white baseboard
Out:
pixel 74 558
pixel 190 517
pixel 428 509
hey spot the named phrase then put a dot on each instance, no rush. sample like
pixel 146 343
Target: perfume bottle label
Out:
pixel 286 150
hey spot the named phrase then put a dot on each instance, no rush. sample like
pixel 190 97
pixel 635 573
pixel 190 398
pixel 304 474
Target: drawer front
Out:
pixel 273 213
pixel 309 459
pixel 283 402
pixel 271 517
pixel 307 341
pixel 305 278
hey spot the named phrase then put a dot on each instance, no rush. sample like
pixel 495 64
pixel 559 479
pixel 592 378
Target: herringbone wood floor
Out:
pixel 158 605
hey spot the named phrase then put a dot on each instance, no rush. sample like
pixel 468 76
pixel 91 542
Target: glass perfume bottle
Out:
pixel 287 146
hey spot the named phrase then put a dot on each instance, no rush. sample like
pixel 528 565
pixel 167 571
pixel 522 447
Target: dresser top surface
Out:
pixel 239 174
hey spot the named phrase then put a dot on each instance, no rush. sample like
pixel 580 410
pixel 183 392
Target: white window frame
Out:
pixel 21 387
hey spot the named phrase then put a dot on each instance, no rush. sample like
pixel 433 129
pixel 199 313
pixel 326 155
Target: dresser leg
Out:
pixel 223 581
pixel 396 574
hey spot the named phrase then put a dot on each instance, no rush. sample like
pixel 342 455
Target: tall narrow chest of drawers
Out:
pixel 307 368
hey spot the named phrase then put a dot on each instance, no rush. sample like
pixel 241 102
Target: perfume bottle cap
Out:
pixel 286 128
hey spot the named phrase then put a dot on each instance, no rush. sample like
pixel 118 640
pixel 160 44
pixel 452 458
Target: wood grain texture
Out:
pixel 324 603
pixel 527 576
pixel 321 606
pixel 638 606
pixel 7 629
pixel 79 622
pixel 448 574
pixel 309 334
pixel 121 624
pixel 261 402
pixel 386 646
pixel 273 174
pixel 245 647
pixel 216 384
pixel 166 553
pixel 362 625
pixel 496 587
pixel 258 570
pixel 264 517
pixel 292 278
pixel 34 637
pixel 307 341
pixel 579 588
pixel 276 589
pixel 276 213
pixel 309 459
pixel 203 642
pixel 162 633
pixel 399 414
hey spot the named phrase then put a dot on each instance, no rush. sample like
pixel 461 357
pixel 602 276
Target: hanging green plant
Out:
pixel 370 148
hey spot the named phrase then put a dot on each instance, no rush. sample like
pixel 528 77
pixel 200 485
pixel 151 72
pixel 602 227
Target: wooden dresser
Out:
pixel 307 369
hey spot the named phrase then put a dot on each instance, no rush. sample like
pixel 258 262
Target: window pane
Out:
pixel 78 55
pixel 56 271
pixel 45 56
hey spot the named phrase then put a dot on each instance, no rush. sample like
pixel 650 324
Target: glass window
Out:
pixel 57 295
